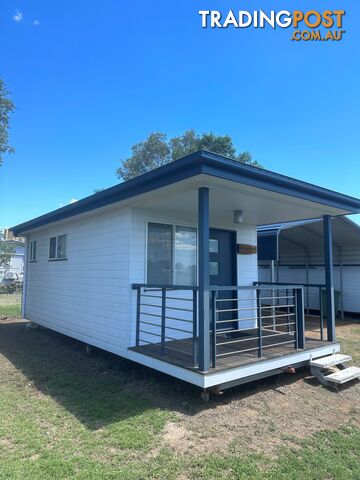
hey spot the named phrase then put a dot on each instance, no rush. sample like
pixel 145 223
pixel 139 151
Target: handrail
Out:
pixel 167 287
pixel 296 285
pixel 250 287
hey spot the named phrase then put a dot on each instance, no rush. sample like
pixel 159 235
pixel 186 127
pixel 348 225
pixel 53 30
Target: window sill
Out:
pixel 56 259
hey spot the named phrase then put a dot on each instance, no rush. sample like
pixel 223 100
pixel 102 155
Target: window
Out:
pixel 171 255
pixel 159 253
pixel 33 251
pixel 185 256
pixel 57 248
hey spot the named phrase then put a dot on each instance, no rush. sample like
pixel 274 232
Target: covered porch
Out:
pixel 225 325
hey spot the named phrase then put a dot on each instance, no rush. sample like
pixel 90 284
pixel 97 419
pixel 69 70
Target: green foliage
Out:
pixel 6 109
pixel 157 150
pixel 7 249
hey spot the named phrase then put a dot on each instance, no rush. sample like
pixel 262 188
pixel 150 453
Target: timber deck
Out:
pixel 180 352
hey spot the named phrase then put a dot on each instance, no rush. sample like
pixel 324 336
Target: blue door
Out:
pixel 223 272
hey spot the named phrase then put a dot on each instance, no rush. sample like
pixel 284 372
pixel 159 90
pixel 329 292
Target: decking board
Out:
pixel 180 352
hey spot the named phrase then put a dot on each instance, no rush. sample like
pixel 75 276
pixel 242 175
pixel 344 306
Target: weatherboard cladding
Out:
pixel 87 296
pixel 201 162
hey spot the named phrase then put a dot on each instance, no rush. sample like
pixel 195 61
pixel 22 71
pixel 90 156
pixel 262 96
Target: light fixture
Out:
pixel 238 216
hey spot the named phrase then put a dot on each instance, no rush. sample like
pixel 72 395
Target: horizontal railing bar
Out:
pixel 149 323
pixel 145 341
pixel 145 295
pixel 150 314
pixel 166 336
pixel 167 327
pixel 281 324
pixel 275 334
pixel 237 351
pixel 167 317
pixel 186 340
pixel 278 316
pixel 179 308
pixel 222 332
pixel 236 320
pixel 284 285
pixel 178 329
pixel 237 341
pixel 149 333
pixel 277 298
pixel 271 307
pixel 280 343
pixel 166 287
pixel 236 299
pixel 230 310
pixel 253 288
pixel 179 319
pixel 180 299
pixel 150 304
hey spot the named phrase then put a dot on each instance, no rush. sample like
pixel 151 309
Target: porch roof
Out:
pixel 203 168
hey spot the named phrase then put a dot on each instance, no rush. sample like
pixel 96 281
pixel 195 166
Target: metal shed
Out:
pixel 294 252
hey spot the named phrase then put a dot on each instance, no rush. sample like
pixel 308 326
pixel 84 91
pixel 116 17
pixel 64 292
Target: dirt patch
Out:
pixel 177 437
pixel 270 416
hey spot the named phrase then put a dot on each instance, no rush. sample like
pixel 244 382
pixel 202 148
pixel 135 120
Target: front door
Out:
pixel 223 271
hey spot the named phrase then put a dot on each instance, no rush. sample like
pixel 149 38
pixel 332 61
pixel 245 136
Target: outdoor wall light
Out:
pixel 238 216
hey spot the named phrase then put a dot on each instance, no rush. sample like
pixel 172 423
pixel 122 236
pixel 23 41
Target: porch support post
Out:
pixel 204 297
pixel 329 278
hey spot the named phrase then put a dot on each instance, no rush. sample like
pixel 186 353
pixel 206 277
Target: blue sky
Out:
pixel 90 79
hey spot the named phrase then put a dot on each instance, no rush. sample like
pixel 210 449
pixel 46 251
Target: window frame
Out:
pixel 32 257
pixel 56 258
pixel 173 255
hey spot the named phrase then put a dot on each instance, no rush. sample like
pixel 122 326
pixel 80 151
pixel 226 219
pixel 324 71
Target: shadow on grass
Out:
pixel 103 388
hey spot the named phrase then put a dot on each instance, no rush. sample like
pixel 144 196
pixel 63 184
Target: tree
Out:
pixel 7 249
pixel 156 151
pixel 6 109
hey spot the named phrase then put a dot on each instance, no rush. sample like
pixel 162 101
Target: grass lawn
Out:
pixel 10 305
pixel 67 415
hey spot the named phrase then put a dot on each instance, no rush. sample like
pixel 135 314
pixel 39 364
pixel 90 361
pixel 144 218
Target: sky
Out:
pixel 90 79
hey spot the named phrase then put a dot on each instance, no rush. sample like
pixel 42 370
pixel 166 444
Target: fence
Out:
pixel 10 298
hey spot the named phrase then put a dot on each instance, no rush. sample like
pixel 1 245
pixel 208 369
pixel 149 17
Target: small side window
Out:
pixel 33 251
pixel 57 248
pixel 52 250
pixel 61 246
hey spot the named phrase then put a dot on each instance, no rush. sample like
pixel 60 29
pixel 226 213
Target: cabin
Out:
pixel 163 270
pixel 294 253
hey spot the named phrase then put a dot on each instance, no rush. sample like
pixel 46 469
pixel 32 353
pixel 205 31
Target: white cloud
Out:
pixel 72 200
pixel 18 17
pixel 36 23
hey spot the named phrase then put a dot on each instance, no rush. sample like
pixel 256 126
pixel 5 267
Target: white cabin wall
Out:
pixel 86 296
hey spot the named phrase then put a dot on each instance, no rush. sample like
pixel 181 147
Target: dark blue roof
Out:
pixel 201 162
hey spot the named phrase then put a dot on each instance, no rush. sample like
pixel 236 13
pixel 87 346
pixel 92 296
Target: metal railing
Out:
pixel 310 290
pixel 166 316
pixel 247 320
pixel 244 320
